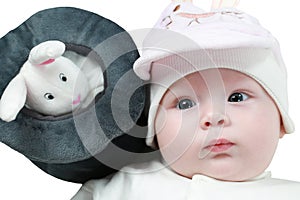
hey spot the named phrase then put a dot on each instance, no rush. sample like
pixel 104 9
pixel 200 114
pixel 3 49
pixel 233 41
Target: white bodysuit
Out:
pixel 154 181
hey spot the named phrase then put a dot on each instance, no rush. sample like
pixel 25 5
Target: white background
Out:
pixel 20 179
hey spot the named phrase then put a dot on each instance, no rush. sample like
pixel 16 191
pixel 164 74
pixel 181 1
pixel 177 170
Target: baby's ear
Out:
pixel 13 98
pixel 217 4
pixel 282 131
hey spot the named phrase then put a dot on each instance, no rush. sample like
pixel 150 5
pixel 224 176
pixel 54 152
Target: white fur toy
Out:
pixel 48 83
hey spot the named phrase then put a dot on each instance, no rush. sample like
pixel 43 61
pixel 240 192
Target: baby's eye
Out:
pixel 238 97
pixel 185 104
pixel 49 96
pixel 63 77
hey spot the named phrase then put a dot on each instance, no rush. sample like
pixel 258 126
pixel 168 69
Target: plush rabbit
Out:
pixel 48 83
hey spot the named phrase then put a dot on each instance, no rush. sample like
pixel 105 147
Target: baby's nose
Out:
pixel 213 120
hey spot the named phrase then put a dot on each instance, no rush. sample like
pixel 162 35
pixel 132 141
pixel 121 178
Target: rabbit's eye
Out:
pixel 49 96
pixel 63 77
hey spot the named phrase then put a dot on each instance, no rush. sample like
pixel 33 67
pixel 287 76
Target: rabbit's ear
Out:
pixel 46 52
pixel 217 4
pixel 13 98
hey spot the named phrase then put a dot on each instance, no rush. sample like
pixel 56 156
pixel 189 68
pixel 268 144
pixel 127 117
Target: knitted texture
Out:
pixel 187 39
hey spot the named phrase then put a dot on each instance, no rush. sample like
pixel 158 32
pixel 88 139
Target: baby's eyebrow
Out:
pixel 245 83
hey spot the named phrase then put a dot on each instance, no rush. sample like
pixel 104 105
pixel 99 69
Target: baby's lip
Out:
pixel 219 145
pixel 77 101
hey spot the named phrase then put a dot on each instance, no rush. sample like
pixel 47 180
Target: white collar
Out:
pixel 203 178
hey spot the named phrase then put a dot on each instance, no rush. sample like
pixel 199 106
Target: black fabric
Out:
pixel 64 147
pixel 93 168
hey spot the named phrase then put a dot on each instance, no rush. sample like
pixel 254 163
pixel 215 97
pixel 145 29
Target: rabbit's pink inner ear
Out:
pixel 47 62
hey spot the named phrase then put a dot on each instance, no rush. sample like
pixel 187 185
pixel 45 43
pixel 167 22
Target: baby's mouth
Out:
pixel 219 145
pixel 216 146
pixel 77 101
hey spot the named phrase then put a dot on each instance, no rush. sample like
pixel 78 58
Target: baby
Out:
pixel 218 108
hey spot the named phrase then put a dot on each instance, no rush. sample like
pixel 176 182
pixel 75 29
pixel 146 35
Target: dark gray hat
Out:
pixel 102 138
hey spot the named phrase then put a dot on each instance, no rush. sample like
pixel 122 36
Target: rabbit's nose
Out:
pixel 77 100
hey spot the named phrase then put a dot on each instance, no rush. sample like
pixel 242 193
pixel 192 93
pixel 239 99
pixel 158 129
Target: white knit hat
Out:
pixel 187 39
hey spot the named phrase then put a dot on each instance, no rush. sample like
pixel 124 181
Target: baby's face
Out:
pixel 219 123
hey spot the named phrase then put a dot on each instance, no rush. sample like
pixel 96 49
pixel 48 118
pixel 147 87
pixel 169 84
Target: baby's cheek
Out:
pixel 160 120
pixel 167 126
pixel 175 141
